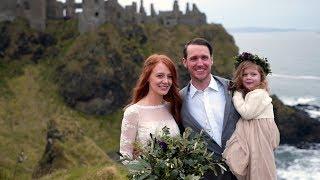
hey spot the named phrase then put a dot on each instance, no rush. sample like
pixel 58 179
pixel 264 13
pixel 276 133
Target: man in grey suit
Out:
pixel 207 102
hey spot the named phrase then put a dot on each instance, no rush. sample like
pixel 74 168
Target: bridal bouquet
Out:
pixel 177 157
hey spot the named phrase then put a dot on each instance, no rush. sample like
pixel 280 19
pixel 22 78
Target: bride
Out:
pixel 155 103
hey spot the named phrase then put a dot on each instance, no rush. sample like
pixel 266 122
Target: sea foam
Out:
pixel 296 77
pixel 292 101
pixel 301 164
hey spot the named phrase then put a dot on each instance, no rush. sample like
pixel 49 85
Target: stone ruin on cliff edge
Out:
pixel 93 13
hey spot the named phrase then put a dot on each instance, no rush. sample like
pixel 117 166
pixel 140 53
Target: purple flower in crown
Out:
pixel 246 56
pixel 163 145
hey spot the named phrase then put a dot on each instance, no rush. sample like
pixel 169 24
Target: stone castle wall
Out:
pixel 95 12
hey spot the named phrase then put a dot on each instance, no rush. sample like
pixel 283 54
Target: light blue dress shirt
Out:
pixel 207 107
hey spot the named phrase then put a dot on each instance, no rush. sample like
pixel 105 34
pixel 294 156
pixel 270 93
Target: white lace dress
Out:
pixel 139 121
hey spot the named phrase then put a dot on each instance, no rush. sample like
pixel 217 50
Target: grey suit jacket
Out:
pixel 231 116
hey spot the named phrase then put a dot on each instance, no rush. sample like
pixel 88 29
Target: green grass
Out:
pixel 8 70
pixel 101 172
pixel 25 115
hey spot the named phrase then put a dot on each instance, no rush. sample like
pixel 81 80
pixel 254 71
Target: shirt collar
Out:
pixel 192 90
pixel 212 85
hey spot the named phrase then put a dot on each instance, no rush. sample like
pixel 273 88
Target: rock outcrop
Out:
pixel 296 126
pixel 68 147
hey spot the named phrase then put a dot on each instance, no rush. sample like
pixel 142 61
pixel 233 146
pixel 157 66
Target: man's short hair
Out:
pixel 197 41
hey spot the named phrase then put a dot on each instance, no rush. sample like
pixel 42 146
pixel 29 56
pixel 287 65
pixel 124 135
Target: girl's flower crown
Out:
pixel 262 62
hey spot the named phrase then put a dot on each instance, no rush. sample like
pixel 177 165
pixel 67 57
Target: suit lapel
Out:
pixel 185 110
pixel 228 102
pixel 195 125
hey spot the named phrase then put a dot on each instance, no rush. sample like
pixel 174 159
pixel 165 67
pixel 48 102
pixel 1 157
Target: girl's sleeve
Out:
pixel 253 104
pixel 129 130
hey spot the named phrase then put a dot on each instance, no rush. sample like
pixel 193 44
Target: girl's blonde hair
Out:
pixel 238 74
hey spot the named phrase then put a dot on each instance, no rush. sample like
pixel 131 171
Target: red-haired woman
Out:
pixel 155 103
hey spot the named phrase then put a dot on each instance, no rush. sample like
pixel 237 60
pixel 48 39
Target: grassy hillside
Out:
pixel 62 93
pixel 31 107
pixel 25 115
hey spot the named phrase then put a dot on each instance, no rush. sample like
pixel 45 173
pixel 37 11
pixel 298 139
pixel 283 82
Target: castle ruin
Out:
pixel 95 13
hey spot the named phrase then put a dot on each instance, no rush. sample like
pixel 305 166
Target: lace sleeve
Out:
pixel 129 130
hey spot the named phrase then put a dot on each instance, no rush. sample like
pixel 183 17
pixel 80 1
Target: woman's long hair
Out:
pixel 142 87
pixel 238 74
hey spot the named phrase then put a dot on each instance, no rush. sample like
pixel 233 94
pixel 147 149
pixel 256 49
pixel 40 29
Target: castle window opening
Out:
pixel 96 14
pixel 78 10
pixel 26 5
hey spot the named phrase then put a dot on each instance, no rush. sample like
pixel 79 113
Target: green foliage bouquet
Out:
pixel 178 157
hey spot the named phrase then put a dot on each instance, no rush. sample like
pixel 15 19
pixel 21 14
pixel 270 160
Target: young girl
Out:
pixel 249 151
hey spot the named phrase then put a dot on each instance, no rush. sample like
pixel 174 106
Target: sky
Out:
pixel 297 14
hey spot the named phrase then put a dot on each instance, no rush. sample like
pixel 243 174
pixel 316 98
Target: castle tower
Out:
pixel 187 9
pixel 176 6
pixel 7 10
pixel 70 8
pixel 134 7
pixel 198 18
pixel 92 16
pixel 23 9
pixel 38 14
pixel 54 9
pixel 130 10
pixel 153 12
pixel 195 8
pixel 176 10
pixel 142 11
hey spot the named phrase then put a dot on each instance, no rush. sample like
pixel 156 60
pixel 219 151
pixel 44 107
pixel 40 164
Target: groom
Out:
pixel 207 102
